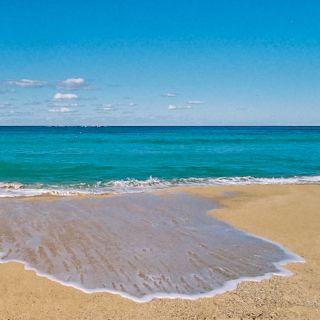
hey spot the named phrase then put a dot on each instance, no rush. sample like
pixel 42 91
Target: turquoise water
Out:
pixel 125 158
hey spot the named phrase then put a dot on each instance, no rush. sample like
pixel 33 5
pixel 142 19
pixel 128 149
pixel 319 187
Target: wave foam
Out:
pixel 16 189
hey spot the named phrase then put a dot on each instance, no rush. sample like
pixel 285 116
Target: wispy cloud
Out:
pixel 169 94
pixel 107 109
pixel 72 84
pixel 124 104
pixel 123 108
pixel 64 96
pixel 108 105
pixel 27 83
pixel 174 107
pixel 61 110
pixel 195 102
pixel 119 106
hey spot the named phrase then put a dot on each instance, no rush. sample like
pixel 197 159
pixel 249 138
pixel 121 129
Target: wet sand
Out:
pixel 289 215
pixel 141 246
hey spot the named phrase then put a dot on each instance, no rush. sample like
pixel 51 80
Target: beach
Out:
pixel 159 160
pixel 286 214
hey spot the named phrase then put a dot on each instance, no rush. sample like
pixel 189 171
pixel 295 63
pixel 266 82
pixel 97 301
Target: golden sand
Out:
pixel 289 215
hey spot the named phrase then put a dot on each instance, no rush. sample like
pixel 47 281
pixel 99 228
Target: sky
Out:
pixel 160 62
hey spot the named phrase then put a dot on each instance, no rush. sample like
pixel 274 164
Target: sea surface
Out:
pixel 68 160
pixel 143 245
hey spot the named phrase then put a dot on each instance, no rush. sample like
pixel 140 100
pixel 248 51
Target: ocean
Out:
pixel 143 245
pixel 68 160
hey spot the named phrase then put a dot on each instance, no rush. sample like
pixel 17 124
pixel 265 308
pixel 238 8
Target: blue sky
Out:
pixel 159 62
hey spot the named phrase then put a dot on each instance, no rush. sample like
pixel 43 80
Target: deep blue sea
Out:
pixel 65 160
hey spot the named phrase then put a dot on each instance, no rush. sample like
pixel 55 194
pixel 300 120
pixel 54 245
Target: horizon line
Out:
pixel 107 126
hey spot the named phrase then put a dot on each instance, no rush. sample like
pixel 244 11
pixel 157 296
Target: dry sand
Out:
pixel 289 215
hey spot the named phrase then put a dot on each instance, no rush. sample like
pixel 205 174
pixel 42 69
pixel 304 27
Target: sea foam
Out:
pixel 17 189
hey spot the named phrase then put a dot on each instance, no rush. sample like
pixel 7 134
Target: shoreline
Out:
pixel 228 286
pixel 244 202
pixel 152 184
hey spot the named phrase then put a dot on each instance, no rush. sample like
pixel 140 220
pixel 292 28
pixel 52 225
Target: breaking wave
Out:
pixel 15 189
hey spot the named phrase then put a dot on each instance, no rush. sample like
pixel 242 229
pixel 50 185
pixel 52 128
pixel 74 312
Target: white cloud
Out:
pixel 174 107
pixel 195 102
pixel 169 94
pixel 61 109
pixel 72 83
pixel 64 96
pixel 27 83
pixel 105 107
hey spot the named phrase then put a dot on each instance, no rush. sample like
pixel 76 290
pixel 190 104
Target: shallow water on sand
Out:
pixel 138 245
